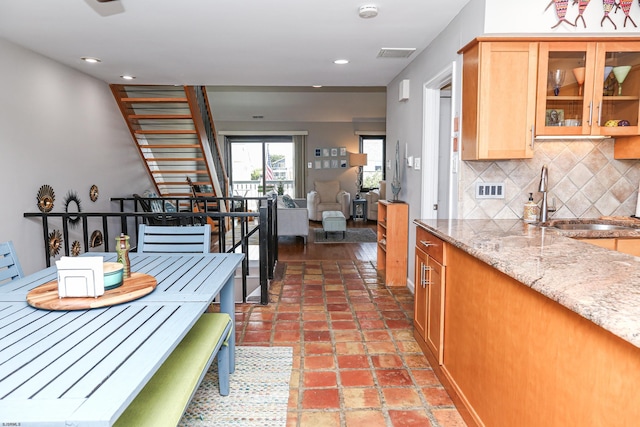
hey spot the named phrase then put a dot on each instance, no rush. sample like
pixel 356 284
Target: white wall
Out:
pixel 404 119
pixel 62 128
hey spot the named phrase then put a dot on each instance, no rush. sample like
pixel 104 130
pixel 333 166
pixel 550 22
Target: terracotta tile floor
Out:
pixel 356 362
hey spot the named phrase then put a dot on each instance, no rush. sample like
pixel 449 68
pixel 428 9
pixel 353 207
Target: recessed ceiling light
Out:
pixel 128 77
pixel 316 86
pixel 258 117
pixel 90 59
pixel 341 61
pixel 368 11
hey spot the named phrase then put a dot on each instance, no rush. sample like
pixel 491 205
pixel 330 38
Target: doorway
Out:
pixel 437 148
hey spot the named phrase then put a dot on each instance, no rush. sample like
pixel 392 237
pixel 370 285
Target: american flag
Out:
pixel 268 176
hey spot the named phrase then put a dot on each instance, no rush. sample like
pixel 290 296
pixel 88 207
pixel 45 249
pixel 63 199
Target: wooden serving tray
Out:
pixel 46 296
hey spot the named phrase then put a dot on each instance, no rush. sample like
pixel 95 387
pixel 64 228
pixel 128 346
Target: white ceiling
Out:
pixel 227 42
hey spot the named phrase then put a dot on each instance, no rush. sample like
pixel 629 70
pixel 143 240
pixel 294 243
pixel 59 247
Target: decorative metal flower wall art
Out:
pixel 75 248
pixel 45 198
pixel 71 205
pixel 93 193
pixel 55 241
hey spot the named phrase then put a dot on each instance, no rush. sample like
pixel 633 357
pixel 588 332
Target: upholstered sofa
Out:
pixel 293 219
pixel 372 198
pixel 327 196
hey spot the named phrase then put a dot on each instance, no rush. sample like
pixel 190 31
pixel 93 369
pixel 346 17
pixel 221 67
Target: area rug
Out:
pixel 258 395
pixel 354 235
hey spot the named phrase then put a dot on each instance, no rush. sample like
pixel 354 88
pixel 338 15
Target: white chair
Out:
pixel 162 239
pixel 327 196
pixel 9 265
pixel 372 198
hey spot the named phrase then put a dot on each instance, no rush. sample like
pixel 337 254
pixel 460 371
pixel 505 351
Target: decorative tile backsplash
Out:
pixel 585 181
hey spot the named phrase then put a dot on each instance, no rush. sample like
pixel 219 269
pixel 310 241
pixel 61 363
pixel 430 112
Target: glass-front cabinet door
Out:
pixel 617 89
pixel 565 88
pixel 588 88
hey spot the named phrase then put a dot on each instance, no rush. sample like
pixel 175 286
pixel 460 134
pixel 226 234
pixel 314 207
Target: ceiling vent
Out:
pixel 388 52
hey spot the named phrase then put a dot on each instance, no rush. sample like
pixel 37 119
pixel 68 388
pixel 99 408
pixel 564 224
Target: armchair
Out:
pixel 372 198
pixel 327 196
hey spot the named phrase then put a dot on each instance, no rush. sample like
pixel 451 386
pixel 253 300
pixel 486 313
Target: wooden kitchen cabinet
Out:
pixel 429 294
pixel 393 242
pixel 498 99
pixel 598 86
pixel 627 246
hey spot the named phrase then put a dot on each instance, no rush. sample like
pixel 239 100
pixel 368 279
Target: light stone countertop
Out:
pixel 599 284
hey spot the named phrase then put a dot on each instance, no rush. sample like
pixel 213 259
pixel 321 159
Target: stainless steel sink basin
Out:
pixel 589 227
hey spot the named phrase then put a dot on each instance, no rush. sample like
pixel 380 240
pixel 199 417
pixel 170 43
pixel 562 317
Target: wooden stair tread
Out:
pixel 170 146
pixel 165 131
pixel 175 159
pixel 180 172
pixel 159 116
pixel 150 100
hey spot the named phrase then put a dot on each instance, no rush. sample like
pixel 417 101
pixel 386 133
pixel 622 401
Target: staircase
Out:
pixel 173 129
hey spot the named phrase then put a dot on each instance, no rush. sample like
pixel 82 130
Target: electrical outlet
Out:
pixel 489 190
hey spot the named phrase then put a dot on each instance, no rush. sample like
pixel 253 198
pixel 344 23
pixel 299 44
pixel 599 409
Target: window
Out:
pixel 259 164
pixel 373 172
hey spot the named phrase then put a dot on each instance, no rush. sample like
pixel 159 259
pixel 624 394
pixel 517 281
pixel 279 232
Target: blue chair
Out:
pixel 9 265
pixel 163 239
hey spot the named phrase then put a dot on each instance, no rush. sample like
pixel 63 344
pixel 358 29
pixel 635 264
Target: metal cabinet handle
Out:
pixel 533 135
pixel 425 270
pixel 427 243
pixel 599 113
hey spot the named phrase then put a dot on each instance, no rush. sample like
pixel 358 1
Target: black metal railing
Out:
pixel 207 119
pixel 234 230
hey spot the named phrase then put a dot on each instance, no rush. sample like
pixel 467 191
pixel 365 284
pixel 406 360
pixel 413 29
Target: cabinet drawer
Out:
pixel 432 245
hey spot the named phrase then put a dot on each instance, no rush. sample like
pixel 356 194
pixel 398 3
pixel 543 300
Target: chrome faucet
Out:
pixel 542 188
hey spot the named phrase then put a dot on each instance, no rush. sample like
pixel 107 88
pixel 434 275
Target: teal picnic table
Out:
pixel 84 367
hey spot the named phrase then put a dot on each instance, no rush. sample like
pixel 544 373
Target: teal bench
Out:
pixel 166 396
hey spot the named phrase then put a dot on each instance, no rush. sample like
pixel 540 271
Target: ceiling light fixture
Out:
pixel 368 11
pixel 126 77
pixel 341 61
pixel 90 59
pixel 316 86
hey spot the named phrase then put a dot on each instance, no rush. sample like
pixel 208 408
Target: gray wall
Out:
pixel 62 128
pixel 404 119
pixel 320 135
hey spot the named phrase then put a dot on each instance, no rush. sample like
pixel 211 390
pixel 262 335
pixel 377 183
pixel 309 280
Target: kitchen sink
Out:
pixel 590 227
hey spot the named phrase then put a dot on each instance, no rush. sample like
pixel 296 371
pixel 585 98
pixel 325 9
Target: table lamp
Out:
pixel 359 160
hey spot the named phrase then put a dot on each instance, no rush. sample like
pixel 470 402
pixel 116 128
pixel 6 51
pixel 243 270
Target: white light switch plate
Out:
pixel 416 163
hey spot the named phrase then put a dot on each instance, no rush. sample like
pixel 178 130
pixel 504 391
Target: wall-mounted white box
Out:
pixel 404 90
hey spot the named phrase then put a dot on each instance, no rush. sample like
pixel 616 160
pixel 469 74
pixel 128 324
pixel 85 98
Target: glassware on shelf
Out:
pixel 620 74
pixel 579 75
pixel 556 79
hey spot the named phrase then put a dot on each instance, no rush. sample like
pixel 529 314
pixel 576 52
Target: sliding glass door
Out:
pixel 259 165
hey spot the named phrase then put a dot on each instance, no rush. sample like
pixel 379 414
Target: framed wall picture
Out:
pixel 343 163
pixel 326 164
pixel 343 151
pixel 318 164
pixel 334 152
pixel 318 152
pixel 334 164
pixel 325 152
